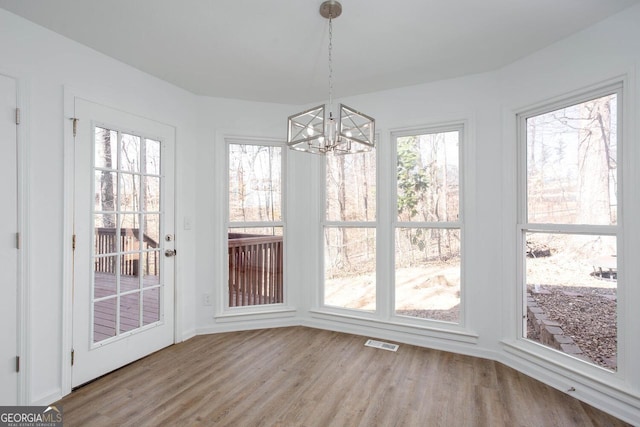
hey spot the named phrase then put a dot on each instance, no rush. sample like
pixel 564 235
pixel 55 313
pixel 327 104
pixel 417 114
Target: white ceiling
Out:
pixel 276 51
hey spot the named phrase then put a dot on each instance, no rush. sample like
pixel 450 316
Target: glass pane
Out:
pixel 351 187
pixel 255 184
pixel 152 157
pixel 572 164
pixel 129 270
pixel 571 295
pixel 151 194
pixel 106 187
pixel 129 312
pixel 350 268
pixel 150 306
pixel 130 153
pixel 151 268
pixel 255 266
pixel 151 231
pixel 104 319
pixel 104 276
pixel 428 177
pixel 427 274
pixel 129 192
pixel 105 234
pixel 106 148
pixel 129 232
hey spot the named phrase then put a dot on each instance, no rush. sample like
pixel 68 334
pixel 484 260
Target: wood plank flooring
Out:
pixel 307 377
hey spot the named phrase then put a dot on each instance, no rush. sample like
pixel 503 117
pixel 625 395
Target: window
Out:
pixel 126 241
pixel 428 232
pixel 255 226
pixel 569 232
pixel 350 232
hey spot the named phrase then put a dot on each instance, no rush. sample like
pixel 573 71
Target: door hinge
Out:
pixel 73 242
pixel 17 240
pixel 75 126
pixel 73 357
pixel 17 363
pixel 17 116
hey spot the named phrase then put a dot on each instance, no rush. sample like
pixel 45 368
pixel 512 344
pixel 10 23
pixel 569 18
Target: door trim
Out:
pixel 23 392
pixel 70 94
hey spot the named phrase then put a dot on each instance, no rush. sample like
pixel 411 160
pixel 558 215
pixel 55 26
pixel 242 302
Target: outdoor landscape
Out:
pixel 569 234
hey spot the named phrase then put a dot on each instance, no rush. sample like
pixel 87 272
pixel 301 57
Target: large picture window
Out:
pixel 255 225
pixel 569 232
pixel 350 232
pixel 428 231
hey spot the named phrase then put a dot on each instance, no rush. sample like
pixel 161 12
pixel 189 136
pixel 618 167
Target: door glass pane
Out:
pixel 350 268
pixel 571 285
pixel 572 164
pixel 127 240
pixel 104 276
pixel 105 234
pixel 130 153
pixel 428 177
pixel 351 187
pixel 428 273
pixel 106 185
pixel 151 194
pixel 151 270
pixel 152 157
pixel 150 306
pixel 106 148
pixel 151 225
pixel 129 192
pixel 255 183
pixel 129 312
pixel 255 266
pixel 104 319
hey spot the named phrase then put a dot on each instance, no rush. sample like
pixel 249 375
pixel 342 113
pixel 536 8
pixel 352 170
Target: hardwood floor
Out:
pixel 306 377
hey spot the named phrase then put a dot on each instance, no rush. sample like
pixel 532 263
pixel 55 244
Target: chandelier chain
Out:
pixel 330 64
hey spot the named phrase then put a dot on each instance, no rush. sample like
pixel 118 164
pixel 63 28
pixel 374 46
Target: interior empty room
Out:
pixel 321 213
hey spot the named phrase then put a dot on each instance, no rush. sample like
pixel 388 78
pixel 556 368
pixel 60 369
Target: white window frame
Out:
pixel 325 224
pixel 523 226
pixel 224 289
pixel 455 126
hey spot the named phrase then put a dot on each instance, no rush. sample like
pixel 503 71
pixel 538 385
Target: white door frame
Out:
pixel 70 94
pixel 23 396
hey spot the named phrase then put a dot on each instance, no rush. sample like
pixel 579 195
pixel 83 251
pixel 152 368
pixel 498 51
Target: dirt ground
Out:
pixel 427 292
pixel 585 305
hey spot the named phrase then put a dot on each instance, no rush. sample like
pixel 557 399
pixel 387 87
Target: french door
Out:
pixel 8 243
pixel 124 243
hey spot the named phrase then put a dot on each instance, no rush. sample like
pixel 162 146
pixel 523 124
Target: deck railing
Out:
pixel 255 269
pixel 105 243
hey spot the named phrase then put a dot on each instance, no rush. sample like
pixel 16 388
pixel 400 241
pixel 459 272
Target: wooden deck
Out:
pixel 104 322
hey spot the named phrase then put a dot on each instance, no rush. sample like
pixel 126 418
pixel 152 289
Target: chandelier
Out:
pixel 312 131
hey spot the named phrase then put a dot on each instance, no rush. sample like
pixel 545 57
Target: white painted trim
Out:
pixel 70 95
pixel 23 318
pixel 614 397
pixel 248 325
pixel 224 312
pixel 443 331
pixel 268 312
pixel 67 232
pixel 462 344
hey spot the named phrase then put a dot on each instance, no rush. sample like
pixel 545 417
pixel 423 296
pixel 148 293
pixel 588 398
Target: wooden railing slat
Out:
pixel 255 269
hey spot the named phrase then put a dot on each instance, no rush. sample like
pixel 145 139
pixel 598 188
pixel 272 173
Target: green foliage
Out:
pixel 412 178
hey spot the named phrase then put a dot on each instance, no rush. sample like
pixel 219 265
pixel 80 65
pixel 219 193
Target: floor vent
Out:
pixel 382 345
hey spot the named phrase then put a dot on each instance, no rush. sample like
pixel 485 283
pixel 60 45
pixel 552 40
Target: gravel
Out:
pixel 587 315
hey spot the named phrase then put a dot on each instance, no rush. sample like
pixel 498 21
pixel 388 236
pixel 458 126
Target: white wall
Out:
pixel 45 63
pixel 487 103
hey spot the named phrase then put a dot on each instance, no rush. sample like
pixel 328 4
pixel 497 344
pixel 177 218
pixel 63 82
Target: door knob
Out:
pixel 170 252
